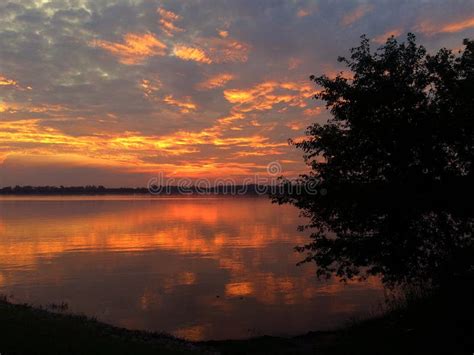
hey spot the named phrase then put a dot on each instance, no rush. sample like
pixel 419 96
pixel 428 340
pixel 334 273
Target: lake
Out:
pixel 197 267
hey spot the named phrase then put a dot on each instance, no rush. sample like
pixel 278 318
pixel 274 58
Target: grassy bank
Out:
pixel 28 330
pixel 437 324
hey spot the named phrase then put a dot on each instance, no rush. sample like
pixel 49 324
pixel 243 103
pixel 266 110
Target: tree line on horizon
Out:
pixel 250 189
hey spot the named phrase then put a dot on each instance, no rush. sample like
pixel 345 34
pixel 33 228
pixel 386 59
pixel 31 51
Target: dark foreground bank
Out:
pixel 432 325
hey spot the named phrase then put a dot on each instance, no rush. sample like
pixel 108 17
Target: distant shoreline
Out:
pixel 92 190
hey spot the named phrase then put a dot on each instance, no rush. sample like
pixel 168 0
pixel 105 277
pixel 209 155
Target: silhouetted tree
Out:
pixel 395 159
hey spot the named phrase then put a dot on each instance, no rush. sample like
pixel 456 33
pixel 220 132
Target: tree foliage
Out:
pixel 396 161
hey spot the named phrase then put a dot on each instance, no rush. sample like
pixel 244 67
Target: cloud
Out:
pixel 223 33
pixel 296 125
pixel 136 47
pixel 431 28
pixel 458 26
pixel 356 14
pixel 266 95
pixel 152 90
pixel 216 81
pixel 227 103
pixel 226 50
pixel 185 105
pixel 383 37
pixel 213 50
pixel 150 87
pixel 167 20
pixel 314 111
pixel 6 82
pixel 303 13
pixel 189 53
pixel 29 138
pixel 28 109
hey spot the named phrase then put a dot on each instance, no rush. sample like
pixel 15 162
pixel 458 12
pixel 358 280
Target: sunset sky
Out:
pixel 115 92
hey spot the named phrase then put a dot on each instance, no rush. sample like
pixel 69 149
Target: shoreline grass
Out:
pixel 25 329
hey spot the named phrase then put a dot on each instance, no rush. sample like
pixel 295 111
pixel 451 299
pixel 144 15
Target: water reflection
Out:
pixel 200 268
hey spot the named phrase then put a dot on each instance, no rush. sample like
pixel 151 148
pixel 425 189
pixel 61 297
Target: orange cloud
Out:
pixel 125 150
pixel 135 48
pixel 168 18
pixel 185 105
pixel 225 50
pixel 216 81
pixel 265 95
pixel 303 13
pixel 355 15
pixel 312 111
pixel 458 26
pixel 4 107
pixel 383 37
pixel 259 153
pixel 29 131
pixel 233 116
pixel 7 82
pixel 223 33
pixel 191 54
pixel 150 87
pixel 213 50
pixel 26 108
pixel 431 28
pixel 211 136
pixel 4 81
pixel 297 125
pixel 136 152
pixel 130 151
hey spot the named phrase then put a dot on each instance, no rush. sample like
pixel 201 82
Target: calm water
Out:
pixel 200 268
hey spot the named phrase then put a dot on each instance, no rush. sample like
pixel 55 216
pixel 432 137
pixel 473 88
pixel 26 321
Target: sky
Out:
pixel 116 92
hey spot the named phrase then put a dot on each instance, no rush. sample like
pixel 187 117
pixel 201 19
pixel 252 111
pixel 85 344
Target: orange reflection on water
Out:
pixel 193 333
pixel 235 289
pixel 181 265
pixel 164 224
